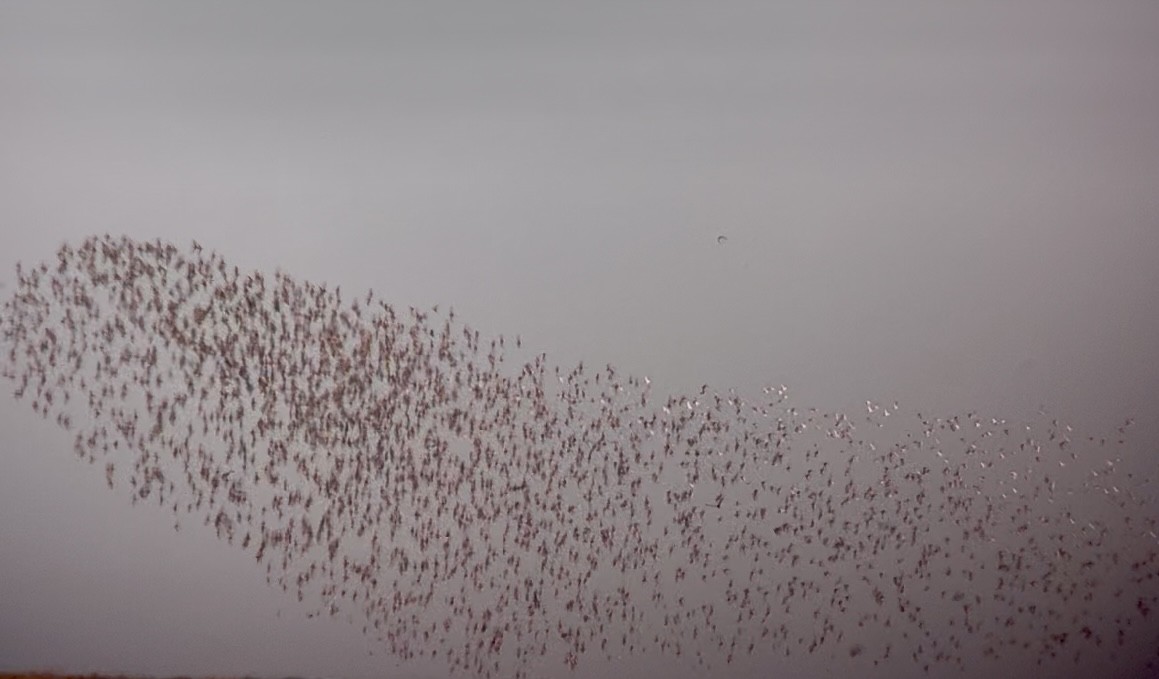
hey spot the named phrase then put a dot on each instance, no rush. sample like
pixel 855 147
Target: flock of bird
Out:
pixel 504 515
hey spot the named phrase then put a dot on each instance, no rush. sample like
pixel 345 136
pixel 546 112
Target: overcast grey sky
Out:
pixel 952 206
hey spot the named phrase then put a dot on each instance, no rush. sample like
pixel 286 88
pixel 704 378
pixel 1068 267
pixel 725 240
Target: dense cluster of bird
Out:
pixel 499 514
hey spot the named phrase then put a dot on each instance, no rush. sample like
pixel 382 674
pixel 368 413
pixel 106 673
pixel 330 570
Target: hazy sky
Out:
pixel 952 206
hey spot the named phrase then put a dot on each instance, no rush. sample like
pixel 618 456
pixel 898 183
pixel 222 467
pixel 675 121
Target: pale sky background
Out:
pixel 954 206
